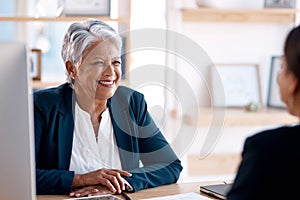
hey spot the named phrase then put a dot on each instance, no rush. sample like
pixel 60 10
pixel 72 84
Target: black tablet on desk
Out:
pixel 219 190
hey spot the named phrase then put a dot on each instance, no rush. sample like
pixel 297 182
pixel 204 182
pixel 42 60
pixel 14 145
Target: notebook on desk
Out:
pixel 219 190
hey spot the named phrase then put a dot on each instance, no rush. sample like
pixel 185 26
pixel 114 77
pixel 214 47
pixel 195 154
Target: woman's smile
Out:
pixel 106 83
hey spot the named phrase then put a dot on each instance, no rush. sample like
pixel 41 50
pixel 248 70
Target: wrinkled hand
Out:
pixel 110 178
pixel 90 191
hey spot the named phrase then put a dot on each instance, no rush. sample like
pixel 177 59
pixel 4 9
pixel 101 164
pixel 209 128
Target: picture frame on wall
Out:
pixel 86 7
pixel 274 99
pixel 279 3
pixel 241 85
pixel 35 64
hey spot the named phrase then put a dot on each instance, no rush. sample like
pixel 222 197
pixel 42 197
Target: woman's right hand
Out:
pixel 90 191
pixel 110 178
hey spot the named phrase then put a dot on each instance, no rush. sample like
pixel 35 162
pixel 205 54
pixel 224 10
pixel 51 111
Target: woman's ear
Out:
pixel 293 86
pixel 70 67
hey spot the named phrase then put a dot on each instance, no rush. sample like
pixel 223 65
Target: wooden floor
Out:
pixel 213 165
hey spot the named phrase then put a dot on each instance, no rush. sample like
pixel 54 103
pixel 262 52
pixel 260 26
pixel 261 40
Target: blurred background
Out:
pixel 241 41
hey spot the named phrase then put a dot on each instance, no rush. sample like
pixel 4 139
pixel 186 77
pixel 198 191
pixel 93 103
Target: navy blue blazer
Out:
pixel 137 137
pixel 270 168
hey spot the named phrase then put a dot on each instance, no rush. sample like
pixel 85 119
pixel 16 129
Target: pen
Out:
pixel 126 196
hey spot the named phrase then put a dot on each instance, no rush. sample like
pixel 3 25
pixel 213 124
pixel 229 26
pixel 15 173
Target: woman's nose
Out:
pixel 109 70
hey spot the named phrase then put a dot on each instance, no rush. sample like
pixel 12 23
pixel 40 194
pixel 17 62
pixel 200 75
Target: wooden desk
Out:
pixel 178 188
pixel 241 117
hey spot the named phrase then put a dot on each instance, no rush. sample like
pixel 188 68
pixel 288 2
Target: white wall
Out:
pixel 226 43
pixel 238 43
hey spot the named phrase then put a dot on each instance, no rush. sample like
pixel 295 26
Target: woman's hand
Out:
pixel 90 191
pixel 110 178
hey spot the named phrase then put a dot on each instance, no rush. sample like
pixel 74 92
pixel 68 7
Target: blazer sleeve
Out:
pixel 49 178
pixel 160 165
pixel 249 173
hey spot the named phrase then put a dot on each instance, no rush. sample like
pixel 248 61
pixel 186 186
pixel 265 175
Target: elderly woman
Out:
pixel 270 165
pixel 91 135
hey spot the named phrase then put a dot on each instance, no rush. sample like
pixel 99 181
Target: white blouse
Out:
pixel 87 154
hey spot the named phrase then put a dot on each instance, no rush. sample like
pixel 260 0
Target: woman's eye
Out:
pixel 99 63
pixel 116 63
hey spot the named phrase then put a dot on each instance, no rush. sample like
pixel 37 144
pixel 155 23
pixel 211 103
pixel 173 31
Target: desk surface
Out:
pixel 178 188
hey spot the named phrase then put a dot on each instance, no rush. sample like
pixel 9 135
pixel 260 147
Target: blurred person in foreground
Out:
pixel 93 136
pixel 271 159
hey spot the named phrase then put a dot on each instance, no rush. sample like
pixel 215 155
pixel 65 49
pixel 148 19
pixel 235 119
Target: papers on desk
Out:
pixel 97 197
pixel 186 196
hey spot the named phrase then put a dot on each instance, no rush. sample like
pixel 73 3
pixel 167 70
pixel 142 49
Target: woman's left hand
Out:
pixel 90 191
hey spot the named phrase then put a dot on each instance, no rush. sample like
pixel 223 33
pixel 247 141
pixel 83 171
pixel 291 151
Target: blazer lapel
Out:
pixel 65 128
pixel 124 130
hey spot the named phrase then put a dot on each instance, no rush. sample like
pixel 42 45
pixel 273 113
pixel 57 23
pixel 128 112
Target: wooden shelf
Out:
pixel 59 19
pixel 42 85
pixel 239 15
pixel 241 117
pixel 213 164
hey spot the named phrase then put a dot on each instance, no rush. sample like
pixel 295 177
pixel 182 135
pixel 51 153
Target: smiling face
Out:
pixel 99 74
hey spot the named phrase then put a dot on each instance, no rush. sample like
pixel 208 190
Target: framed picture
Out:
pixel 279 3
pixel 241 85
pixel 274 99
pixel 86 7
pixel 35 64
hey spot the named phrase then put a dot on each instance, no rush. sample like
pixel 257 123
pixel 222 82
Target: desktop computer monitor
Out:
pixel 17 173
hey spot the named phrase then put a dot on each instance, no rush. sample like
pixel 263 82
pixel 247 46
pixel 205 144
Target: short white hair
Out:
pixel 81 35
